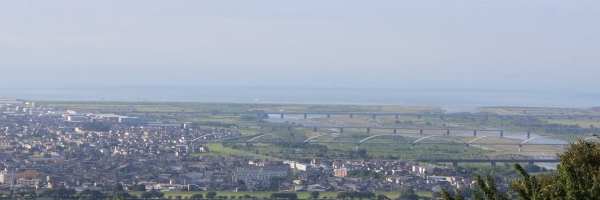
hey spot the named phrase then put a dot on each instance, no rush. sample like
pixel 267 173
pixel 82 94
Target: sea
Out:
pixel 451 100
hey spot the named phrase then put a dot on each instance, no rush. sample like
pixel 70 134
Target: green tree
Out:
pixel 32 194
pixel 382 197
pixel 157 193
pixel 138 187
pixel 362 153
pixel 211 195
pixel 578 176
pixel 118 187
pixel 88 194
pixel 314 195
pixel 196 196
pixel 366 195
pixel 62 193
pixel 121 195
pixel 344 195
pixel 275 182
pixel 152 194
pixel 284 195
pixel 146 195
pixel 407 193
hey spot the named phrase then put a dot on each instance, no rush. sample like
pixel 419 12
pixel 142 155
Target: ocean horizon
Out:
pixel 451 100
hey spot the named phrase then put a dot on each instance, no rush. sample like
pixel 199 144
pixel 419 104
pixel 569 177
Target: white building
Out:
pixel 7 177
pixel 262 175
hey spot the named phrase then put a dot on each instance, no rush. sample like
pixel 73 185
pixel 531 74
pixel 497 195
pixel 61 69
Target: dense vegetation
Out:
pixel 577 177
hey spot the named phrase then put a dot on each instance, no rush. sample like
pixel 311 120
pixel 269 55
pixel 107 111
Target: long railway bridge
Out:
pixel 370 140
pixel 306 115
pixel 369 129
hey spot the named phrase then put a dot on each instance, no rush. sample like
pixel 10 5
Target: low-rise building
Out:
pixel 259 174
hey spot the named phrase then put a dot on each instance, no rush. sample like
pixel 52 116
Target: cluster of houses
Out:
pixel 45 148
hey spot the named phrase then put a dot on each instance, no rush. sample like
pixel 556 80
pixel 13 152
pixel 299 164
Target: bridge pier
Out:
pixel 447 131
pixel 412 146
pixel 421 131
pixel 474 133
pixel 520 147
pixel 328 115
pixel 305 116
pixel 341 130
pixel 368 130
pixel 315 129
pixel 466 145
pixel 282 115
pixel 395 130
pixel 501 134
pixel 351 116
pixel 528 134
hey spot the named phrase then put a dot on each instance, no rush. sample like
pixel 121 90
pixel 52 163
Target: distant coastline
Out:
pixel 449 100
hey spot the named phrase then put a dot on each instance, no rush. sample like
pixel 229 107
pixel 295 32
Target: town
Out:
pixel 46 148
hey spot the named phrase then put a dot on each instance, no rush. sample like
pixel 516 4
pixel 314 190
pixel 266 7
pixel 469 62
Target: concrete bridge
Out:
pixel 364 141
pixel 443 131
pixel 395 130
pixel 397 143
pixel 368 129
pixel 412 145
pixel 491 161
pixel 373 115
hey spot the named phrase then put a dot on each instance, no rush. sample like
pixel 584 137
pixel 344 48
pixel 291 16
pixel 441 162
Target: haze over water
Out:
pixel 453 54
pixel 451 100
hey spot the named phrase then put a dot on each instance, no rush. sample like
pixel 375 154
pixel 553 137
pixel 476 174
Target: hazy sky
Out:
pixel 472 44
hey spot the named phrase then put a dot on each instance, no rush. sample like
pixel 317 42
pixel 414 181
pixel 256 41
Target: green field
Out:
pixel 584 123
pixel 396 148
pixel 233 107
pixel 536 111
